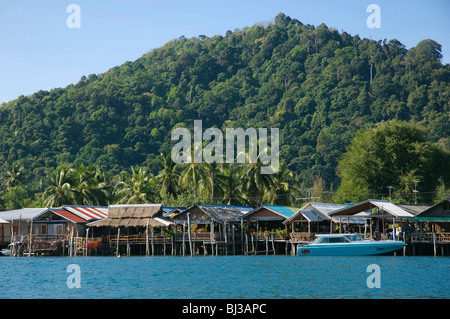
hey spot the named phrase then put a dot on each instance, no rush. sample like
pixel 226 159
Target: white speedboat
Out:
pixel 348 245
pixel 6 252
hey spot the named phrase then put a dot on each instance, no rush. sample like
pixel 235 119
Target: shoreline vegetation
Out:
pixel 355 117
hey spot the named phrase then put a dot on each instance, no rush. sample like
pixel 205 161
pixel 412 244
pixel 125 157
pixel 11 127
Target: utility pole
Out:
pixel 390 188
pixel 415 191
pixel 308 195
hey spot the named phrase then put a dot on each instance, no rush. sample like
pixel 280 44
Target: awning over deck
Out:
pixel 432 219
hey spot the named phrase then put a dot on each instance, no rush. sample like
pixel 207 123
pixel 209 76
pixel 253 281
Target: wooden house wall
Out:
pixel 441 210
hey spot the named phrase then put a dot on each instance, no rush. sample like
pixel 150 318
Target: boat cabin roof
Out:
pixel 332 235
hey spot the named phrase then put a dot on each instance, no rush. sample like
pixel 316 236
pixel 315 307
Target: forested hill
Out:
pixel 312 82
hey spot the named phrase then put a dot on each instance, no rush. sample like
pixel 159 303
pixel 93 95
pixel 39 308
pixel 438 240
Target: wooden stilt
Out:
pixel 173 245
pixel 242 236
pixel 87 240
pixel 246 244
pixel 71 243
pixel 226 238
pixel 30 238
pixel 147 248
pixel 434 244
pixel 118 234
pixel 233 239
pixel 190 234
pixel 153 229
pixel 253 245
pixel 273 246
pixel 184 239
pixel 12 240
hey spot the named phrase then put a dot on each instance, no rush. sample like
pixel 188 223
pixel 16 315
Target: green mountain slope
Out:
pixel 318 86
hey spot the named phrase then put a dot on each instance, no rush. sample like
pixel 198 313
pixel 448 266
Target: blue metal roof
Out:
pixel 282 210
pixel 170 210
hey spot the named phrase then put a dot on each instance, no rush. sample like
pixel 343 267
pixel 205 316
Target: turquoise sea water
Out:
pixel 225 277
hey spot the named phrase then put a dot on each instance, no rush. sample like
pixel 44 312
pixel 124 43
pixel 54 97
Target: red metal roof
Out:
pixel 68 215
pixel 88 213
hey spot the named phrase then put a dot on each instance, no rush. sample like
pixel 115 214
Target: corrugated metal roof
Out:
pixel 314 212
pixel 312 216
pixel 351 220
pixel 242 209
pixel 414 209
pixel 327 208
pixel 386 206
pixel 282 210
pixel 23 214
pixel 171 210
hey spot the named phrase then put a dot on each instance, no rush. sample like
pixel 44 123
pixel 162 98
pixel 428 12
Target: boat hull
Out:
pixel 6 252
pixel 357 248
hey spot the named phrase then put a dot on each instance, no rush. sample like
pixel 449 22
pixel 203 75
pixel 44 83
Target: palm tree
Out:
pixel 90 186
pixel 192 174
pixel 168 175
pixel 255 184
pixel 212 183
pixel 58 186
pixel 230 184
pixel 14 175
pixel 281 192
pixel 135 188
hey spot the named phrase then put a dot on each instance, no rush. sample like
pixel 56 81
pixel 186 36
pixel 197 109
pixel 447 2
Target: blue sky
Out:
pixel 38 50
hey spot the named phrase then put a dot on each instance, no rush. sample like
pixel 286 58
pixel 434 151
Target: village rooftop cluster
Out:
pixel 153 229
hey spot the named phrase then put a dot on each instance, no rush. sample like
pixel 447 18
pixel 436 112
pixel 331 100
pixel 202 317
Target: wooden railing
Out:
pixel 207 236
pixel 136 238
pixel 428 237
pixel 301 236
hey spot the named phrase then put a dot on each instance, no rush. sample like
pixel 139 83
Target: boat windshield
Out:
pixel 354 236
pixel 326 240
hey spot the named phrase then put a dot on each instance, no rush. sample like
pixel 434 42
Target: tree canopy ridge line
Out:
pixel 313 83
